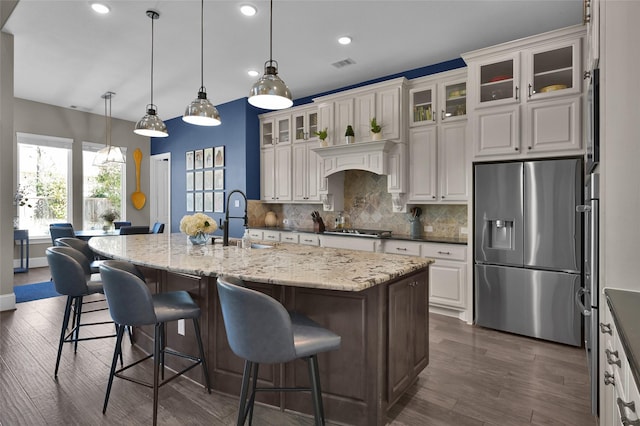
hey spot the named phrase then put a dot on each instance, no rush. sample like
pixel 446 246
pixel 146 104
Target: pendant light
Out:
pixel 151 125
pixel 270 92
pixel 109 154
pixel 201 112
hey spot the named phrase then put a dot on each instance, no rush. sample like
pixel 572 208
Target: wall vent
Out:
pixel 343 63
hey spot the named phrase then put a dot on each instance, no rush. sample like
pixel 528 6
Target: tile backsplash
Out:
pixel 367 204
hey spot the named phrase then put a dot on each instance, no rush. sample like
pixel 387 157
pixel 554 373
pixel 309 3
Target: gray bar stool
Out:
pixel 83 247
pixel 260 330
pixel 71 276
pixel 132 304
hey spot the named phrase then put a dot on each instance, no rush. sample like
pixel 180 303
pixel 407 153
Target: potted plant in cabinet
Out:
pixel 376 130
pixel 349 135
pixel 322 135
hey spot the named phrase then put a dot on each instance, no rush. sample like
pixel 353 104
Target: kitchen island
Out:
pixel 377 303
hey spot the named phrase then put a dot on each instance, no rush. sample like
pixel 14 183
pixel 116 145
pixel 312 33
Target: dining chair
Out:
pixel 132 304
pixel 60 230
pixel 260 330
pixel 130 230
pixel 120 224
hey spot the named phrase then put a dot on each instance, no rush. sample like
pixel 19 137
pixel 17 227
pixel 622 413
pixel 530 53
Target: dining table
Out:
pixel 86 234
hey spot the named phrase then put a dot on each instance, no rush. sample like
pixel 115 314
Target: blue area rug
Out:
pixel 29 292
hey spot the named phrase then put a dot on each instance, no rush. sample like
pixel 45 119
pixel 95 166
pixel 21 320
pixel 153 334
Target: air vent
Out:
pixel 343 63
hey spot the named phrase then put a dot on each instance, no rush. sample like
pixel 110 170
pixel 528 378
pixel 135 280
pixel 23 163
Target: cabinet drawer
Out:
pixel 271 236
pixel 402 247
pixel 289 237
pixel 256 234
pixel 309 239
pixel 444 251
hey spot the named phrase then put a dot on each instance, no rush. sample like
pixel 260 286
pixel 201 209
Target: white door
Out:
pixel 160 197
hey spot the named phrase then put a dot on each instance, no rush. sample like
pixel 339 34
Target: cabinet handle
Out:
pixel 308 241
pixel 622 405
pixel 444 252
pixel 586 12
pixel 401 248
pixel 610 358
pixel 609 379
pixel 442 196
pixel 433 196
pixel 605 328
pixel 529 147
pixel 441 115
pixel 530 90
pixel 516 148
pixel 517 92
pixel 586 75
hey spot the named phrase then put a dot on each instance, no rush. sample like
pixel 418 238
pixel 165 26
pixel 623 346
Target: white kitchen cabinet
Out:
pixel 344 113
pixel 325 121
pixel 525 96
pixel 275 166
pixel 305 125
pixel 407 248
pixel 272 236
pixel 275 129
pixel 309 239
pixel 437 163
pixel 620 398
pixel 290 237
pixel 306 173
pixel 447 275
pixel 256 234
pixel 351 243
pixel 423 105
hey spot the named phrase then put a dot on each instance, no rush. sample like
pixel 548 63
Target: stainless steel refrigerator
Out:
pixel 528 248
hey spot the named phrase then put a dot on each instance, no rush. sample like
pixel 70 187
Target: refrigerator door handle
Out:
pixel 581 292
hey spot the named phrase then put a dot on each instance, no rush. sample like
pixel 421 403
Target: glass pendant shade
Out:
pixel 270 92
pixel 108 154
pixel 201 112
pixel 151 125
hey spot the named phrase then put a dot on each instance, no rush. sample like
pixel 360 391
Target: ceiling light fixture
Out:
pixel 248 10
pixel 253 73
pixel 100 8
pixel 344 40
pixel 201 112
pixel 151 125
pixel 270 92
pixel 109 154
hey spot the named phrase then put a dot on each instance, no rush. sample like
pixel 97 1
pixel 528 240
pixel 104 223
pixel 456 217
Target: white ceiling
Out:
pixel 67 55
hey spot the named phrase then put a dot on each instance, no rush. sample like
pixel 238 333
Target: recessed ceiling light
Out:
pixel 344 40
pixel 248 10
pixel 100 8
pixel 253 73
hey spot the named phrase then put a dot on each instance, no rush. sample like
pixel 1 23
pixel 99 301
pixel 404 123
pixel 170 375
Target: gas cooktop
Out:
pixel 371 233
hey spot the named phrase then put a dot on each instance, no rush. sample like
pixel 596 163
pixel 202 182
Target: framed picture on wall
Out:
pixel 208 180
pixel 208 158
pixel 190 201
pixel 198 177
pixel 189 181
pixel 189 160
pixel 218 202
pixel 198 201
pixel 208 201
pixel 198 159
pixel 218 179
pixel 219 156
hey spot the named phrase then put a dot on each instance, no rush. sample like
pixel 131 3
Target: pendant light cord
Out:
pixel 202 45
pixel 152 19
pixel 271 34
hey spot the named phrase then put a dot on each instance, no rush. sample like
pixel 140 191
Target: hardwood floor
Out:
pixel 475 376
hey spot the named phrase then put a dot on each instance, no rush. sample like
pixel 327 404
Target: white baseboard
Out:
pixel 454 313
pixel 34 262
pixel 7 302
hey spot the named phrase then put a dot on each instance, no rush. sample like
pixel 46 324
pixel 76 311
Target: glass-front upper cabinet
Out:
pixel 305 126
pixel 454 99
pixel 423 105
pixel 554 71
pixel 499 81
pixel 283 130
pixel 266 133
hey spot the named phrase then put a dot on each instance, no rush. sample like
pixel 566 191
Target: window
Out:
pixel 44 180
pixel 103 188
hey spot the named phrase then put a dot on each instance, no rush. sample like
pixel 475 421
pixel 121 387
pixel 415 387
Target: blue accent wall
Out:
pixel 240 136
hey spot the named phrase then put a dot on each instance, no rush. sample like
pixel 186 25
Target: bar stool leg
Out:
pixel 242 410
pixel 77 323
pixel 316 393
pixel 156 369
pixel 252 398
pixel 65 324
pixel 117 353
pixel 196 326
pixel 162 346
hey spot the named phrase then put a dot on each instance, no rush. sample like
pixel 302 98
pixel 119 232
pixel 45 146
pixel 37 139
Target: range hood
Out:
pixel 369 156
pixel 383 157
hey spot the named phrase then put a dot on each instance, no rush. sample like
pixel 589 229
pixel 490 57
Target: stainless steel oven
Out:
pixel 587 297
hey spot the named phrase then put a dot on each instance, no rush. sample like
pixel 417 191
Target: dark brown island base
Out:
pixel 377 303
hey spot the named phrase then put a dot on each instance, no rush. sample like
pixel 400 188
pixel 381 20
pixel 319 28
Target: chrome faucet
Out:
pixel 225 225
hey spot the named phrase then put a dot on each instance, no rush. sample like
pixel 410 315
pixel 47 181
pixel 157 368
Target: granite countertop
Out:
pixel 626 315
pixel 445 240
pixel 284 264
